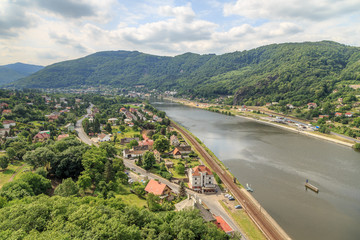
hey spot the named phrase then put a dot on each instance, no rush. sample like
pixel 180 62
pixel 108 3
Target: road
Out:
pixel 212 201
pixel 260 217
pixel 79 129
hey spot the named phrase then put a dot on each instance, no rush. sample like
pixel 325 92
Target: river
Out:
pixel 277 163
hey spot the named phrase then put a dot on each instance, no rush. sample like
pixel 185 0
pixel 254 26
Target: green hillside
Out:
pixel 15 71
pixel 295 71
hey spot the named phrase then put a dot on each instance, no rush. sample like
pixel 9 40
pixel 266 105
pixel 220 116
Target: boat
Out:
pixel 248 188
pixel 310 186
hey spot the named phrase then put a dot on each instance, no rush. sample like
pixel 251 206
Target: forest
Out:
pixel 291 71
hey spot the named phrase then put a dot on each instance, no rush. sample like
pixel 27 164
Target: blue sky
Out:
pixel 48 31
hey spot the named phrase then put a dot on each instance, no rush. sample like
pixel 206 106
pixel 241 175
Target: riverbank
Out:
pixel 317 135
pixel 260 217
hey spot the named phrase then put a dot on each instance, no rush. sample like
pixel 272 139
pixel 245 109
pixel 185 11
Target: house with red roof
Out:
pixel 41 137
pixel 312 105
pixel 337 114
pixel 201 179
pixel 4 105
pixel 6 111
pixel 348 114
pixel 159 189
pixel 62 136
pixel 148 142
pixel 223 225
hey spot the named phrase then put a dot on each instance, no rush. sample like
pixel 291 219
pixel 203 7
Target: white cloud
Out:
pixel 292 9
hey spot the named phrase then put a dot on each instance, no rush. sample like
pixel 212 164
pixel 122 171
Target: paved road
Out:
pixel 346 137
pixel 79 129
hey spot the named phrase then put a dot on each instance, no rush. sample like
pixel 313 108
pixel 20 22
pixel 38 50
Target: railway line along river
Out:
pixel 277 163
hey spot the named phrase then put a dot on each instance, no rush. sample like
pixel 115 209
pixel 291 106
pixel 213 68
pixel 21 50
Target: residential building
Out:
pixel 338 114
pixel 104 138
pixel 6 112
pixel 201 179
pixel 9 123
pixel 41 136
pixel 131 153
pixel 174 141
pixel 112 121
pixel 159 189
pixel 192 203
pixel 348 114
pixel 124 141
pixel 62 136
pixel 4 132
pixel 312 105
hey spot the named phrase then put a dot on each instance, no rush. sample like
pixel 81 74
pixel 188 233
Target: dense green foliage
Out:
pixel 43 217
pixel 292 71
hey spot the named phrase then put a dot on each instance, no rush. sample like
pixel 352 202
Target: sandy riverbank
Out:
pixel 306 133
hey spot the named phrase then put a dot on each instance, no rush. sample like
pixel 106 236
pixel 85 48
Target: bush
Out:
pixel 357 146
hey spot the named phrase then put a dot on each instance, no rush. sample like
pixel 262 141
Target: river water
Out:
pixel 277 163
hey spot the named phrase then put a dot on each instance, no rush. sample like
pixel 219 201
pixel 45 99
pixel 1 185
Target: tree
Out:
pixel 16 190
pixel 182 191
pixel 109 171
pixel 94 162
pixel 40 157
pixel 84 181
pixel 67 188
pixel 180 168
pixel 161 144
pixel 108 128
pixel 38 183
pixel 4 162
pixel 132 144
pixel 138 189
pixel 109 148
pixel 148 160
pixel 153 202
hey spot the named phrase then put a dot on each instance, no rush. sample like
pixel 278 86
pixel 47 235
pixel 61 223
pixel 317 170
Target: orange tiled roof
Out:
pixel 201 168
pixel 155 187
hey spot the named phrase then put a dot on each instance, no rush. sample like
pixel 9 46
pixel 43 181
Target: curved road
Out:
pixel 79 129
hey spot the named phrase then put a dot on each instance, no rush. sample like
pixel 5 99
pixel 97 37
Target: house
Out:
pixel 70 127
pixel 6 112
pixel 62 136
pixel 201 179
pixel 192 203
pixel 176 153
pixel 174 141
pixel 146 142
pixel 181 151
pixel 112 121
pixel 131 153
pixel 159 189
pixel 124 141
pixel 103 137
pixel 122 110
pixel 337 114
pixel 4 132
pixel 348 114
pixel 9 123
pixel 312 105
pixel 52 117
pixel 223 225
pixel 142 148
pixel 323 116
pixel 290 106
pixel 42 136
pixel 4 105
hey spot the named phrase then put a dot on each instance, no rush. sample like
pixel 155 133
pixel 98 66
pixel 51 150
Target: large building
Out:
pixel 201 179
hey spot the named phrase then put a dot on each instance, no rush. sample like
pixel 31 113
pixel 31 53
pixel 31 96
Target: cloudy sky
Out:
pixel 48 31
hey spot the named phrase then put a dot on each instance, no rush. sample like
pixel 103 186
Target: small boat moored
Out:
pixel 310 186
pixel 248 188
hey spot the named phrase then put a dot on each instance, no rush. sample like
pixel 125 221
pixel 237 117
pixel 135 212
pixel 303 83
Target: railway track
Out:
pixel 266 224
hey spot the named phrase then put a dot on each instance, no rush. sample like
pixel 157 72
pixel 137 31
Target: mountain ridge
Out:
pixel 280 70
pixel 15 71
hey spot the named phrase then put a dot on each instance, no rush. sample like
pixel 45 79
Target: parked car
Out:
pixel 238 207
pixel 231 198
pixel 227 195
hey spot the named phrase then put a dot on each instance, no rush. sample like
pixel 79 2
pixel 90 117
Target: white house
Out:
pixel 8 123
pixel 201 179
pixel 104 138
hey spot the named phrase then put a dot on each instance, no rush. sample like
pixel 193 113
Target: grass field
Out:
pixel 11 169
pixel 131 199
pixel 244 222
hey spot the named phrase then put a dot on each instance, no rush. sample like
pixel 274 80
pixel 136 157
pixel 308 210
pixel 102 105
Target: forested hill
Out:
pixel 292 70
pixel 15 71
